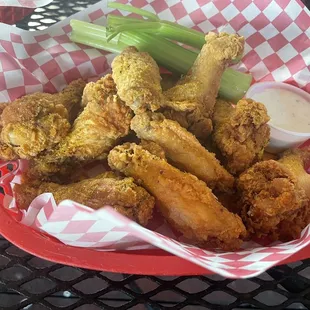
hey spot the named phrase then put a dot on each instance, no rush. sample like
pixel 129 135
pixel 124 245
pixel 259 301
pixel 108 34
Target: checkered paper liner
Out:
pixel 24 3
pixel 107 230
pixel 277 48
pixel 277 43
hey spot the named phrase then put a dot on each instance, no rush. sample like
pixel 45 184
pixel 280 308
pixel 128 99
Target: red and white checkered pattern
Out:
pixel 277 43
pixel 107 230
pixel 25 3
pixel 277 48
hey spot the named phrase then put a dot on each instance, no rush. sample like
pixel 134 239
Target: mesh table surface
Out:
pixel 27 282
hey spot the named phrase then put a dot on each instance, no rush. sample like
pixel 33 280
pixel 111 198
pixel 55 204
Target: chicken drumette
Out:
pixel 137 78
pixel 191 102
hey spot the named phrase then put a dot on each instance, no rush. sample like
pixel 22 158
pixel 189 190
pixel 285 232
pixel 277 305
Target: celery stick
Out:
pixel 137 27
pixel 132 9
pixel 164 29
pixel 234 85
pixel 115 20
pixel 84 38
pixel 182 34
pixel 161 28
pixel 168 54
pixel 175 58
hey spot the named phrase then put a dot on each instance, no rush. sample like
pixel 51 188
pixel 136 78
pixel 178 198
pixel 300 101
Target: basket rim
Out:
pixel 130 262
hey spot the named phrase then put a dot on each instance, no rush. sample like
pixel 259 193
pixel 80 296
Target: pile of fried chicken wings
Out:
pixel 198 158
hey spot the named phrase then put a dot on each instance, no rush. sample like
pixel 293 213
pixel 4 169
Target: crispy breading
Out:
pixel 241 133
pixel 183 149
pixel 104 120
pixel 153 148
pixel 33 124
pixel 37 122
pixel 71 97
pixel 137 77
pixel 191 101
pixel 185 201
pixel 6 151
pixel 99 90
pixel 273 203
pixel 3 105
pixel 296 160
pixel 105 190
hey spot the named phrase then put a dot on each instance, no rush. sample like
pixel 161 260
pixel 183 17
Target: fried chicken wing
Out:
pixel 241 133
pixel 33 124
pixel 122 194
pixel 104 120
pixel 3 105
pixel 37 122
pixel 99 90
pixel 273 202
pixel 153 148
pixel 186 202
pixel 71 97
pixel 296 160
pixel 183 149
pixel 192 100
pixel 6 151
pixel 137 77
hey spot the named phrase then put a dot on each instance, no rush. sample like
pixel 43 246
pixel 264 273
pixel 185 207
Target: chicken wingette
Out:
pixel 183 149
pixel 106 189
pixel 185 202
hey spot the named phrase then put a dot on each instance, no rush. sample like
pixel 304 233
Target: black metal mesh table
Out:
pixel 27 282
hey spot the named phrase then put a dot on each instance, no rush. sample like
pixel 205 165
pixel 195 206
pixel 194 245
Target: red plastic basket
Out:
pixel 11 15
pixel 146 262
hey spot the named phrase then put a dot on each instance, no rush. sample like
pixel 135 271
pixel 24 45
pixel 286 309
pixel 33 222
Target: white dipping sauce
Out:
pixel 286 109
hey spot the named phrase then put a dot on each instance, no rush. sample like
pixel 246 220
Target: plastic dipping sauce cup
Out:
pixel 289 111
